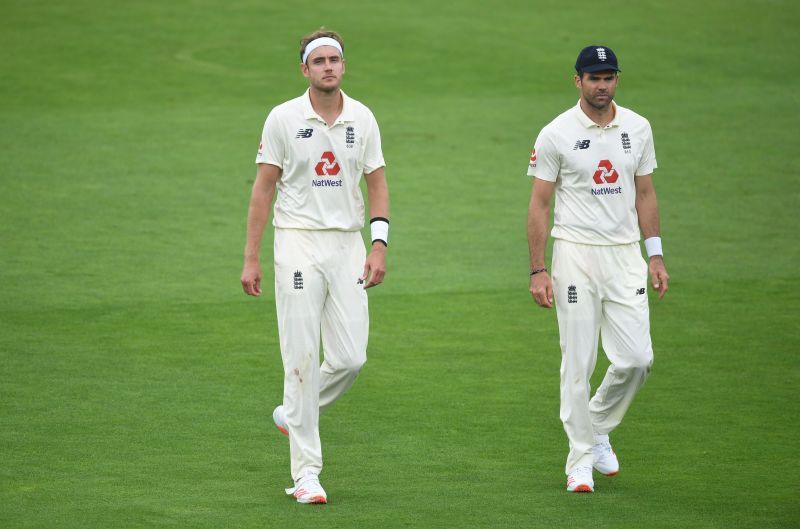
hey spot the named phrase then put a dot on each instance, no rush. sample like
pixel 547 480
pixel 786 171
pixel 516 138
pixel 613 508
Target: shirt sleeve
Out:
pixel 545 162
pixel 373 155
pixel 272 148
pixel 648 160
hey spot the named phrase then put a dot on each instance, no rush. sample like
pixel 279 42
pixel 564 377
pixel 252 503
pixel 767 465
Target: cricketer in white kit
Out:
pixel 314 150
pixel 597 158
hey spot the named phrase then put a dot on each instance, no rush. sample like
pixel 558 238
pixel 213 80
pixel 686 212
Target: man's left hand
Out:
pixel 659 275
pixel 375 266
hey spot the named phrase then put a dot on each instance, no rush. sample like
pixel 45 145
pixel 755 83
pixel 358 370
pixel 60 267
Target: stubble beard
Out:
pixel 599 106
pixel 327 89
pixel 324 87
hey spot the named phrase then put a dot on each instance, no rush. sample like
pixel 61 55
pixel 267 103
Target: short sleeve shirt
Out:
pixel 594 170
pixel 321 166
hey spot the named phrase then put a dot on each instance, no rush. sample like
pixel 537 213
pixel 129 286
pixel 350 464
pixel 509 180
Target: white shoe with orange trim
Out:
pixel 605 460
pixel 308 490
pixel 280 420
pixel 580 480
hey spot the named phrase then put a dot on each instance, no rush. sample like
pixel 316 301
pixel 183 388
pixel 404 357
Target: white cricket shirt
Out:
pixel 321 166
pixel 594 169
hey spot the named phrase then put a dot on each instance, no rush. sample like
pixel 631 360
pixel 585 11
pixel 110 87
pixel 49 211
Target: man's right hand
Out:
pixel 251 278
pixel 542 290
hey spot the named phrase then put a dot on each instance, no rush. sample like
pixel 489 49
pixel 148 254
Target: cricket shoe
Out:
pixel 280 420
pixel 580 480
pixel 308 490
pixel 605 460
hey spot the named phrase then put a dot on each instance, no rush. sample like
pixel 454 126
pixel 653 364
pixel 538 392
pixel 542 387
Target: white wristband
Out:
pixel 379 229
pixel 653 246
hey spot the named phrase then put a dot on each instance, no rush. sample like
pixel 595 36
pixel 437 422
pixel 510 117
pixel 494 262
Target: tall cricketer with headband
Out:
pixel 314 150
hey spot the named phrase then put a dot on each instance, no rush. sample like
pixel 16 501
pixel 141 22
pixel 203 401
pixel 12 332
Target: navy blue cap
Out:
pixel 596 59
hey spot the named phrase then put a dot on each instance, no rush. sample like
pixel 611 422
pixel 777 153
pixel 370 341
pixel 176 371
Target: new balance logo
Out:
pixel 581 144
pixel 639 291
pixel 304 133
pixel 572 294
pixel 298 280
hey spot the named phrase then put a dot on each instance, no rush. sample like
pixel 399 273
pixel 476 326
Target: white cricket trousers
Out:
pixel 318 294
pixel 600 291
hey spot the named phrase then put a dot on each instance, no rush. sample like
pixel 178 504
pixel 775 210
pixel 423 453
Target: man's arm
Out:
pixel 647 210
pixel 541 286
pixel 261 197
pixel 378 196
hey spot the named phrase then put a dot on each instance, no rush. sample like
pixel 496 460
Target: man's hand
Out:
pixel 375 266
pixel 251 278
pixel 659 275
pixel 542 290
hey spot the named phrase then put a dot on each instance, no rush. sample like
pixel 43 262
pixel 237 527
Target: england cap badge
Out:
pixel 596 59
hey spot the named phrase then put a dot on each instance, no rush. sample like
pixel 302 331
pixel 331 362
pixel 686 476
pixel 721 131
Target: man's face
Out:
pixel 598 88
pixel 324 68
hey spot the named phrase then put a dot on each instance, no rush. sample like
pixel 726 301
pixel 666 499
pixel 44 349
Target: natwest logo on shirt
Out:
pixel 327 166
pixel 605 173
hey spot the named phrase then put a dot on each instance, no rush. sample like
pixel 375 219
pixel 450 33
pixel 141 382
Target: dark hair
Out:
pixel 321 32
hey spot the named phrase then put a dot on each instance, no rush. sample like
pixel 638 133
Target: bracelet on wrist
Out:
pixel 538 270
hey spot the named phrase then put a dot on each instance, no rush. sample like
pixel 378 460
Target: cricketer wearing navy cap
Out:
pixel 596 59
pixel 597 159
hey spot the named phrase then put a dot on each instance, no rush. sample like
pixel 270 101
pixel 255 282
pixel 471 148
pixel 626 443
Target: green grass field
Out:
pixel 137 381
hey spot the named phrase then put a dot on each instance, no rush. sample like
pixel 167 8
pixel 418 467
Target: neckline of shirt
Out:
pixel 345 116
pixel 588 123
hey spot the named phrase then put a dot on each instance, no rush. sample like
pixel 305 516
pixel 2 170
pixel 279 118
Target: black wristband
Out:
pixel 537 270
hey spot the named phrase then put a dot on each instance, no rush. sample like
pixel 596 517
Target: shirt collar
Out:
pixel 344 117
pixel 587 122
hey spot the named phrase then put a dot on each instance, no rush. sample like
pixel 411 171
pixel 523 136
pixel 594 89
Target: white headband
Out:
pixel 322 41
